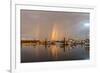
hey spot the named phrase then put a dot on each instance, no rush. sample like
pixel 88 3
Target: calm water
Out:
pixel 41 53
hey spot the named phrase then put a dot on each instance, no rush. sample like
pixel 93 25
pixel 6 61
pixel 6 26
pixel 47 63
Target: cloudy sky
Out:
pixel 53 25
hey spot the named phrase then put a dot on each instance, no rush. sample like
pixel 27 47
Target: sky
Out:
pixel 53 25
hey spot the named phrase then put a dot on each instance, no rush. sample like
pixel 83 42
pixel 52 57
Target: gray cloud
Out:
pixel 40 24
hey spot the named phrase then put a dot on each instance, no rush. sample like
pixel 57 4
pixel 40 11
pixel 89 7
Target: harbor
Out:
pixel 38 51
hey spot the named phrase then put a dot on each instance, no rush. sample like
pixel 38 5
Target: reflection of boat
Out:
pixel 87 49
pixel 53 43
pixel 86 46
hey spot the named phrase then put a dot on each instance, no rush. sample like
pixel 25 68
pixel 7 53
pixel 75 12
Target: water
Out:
pixel 43 53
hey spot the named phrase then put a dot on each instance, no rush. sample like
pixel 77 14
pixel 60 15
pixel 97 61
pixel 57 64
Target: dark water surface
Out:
pixel 42 53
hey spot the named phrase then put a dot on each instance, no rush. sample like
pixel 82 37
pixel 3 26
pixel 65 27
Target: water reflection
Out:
pixel 40 53
pixel 54 51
